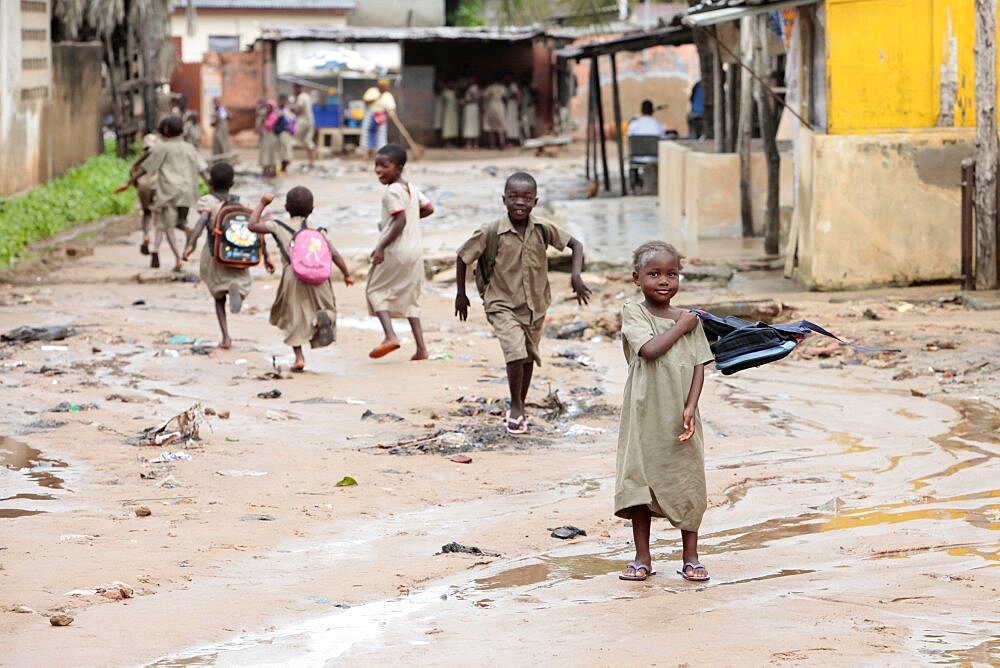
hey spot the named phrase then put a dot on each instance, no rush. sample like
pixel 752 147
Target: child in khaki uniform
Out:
pixel 221 280
pixel 145 184
pixel 517 292
pixel 176 166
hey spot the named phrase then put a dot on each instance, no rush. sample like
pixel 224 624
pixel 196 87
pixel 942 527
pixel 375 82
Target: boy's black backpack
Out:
pixel 233 244
pixel 488 260
pixel 740 344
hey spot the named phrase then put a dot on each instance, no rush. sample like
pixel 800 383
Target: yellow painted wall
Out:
pixel 884 62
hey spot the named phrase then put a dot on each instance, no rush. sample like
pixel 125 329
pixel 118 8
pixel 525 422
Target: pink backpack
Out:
pixel 308 254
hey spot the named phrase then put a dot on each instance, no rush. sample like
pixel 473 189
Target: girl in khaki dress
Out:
pixel 221 280
pixel 397 272
pixel 661 459
pixel 306 313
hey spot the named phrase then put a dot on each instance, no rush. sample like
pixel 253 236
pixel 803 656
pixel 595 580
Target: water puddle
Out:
pixel 24 466
pixel 610 228
pixel 978 428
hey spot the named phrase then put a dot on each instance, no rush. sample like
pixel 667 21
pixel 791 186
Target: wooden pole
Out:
pixel 772 218
pixel 744 136
pixel 618 125
pixel 986 145
pixel 732 106
pixel 718 108
pixel 590 131
pixel 596 82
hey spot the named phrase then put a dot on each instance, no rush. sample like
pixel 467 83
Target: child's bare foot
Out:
pixel 420 355
pixel 144 246
pixel 384 348
pixel 154 260
pixel 226 344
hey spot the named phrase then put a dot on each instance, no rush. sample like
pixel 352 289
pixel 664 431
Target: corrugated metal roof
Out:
pixel 269 4
pixel 634 41
pixel 710 12
pixel 365 34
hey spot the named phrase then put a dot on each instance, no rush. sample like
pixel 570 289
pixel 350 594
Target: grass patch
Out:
pixel 78 196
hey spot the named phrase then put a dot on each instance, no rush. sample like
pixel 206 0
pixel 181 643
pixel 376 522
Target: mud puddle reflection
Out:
pixel 24 468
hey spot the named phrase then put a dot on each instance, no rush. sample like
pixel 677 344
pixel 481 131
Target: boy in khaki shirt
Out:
pixel 512 272
pixel 176 166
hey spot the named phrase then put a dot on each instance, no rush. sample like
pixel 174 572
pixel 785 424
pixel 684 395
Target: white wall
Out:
pixel 246 26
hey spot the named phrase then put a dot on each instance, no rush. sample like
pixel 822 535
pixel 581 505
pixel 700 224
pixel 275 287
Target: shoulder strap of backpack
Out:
pixel 543 229
pixel 281 246
pixel 487 261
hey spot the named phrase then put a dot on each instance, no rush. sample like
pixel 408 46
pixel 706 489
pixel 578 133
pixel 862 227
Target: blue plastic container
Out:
pixel 327 115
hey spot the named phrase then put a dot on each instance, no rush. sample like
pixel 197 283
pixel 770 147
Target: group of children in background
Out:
pixel 502 114
pixel 660 462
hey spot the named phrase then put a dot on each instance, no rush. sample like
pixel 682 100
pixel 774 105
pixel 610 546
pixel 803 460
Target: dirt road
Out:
pixel 853 500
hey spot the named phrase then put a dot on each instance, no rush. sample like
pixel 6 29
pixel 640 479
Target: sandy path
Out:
pixel 852 516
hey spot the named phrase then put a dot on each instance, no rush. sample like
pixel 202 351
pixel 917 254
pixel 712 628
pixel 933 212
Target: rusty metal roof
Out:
pixel 633 41
pixel 710 12
pixel 366 34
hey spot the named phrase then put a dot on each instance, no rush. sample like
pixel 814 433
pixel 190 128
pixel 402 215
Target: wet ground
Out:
pixel 853 500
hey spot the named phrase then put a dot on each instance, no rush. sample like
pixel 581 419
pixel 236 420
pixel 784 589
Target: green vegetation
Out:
pixel 468 14
pixel 78 196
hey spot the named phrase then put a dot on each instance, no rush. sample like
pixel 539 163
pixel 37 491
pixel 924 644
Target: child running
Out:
pixel 305 312
pixel 176 166
pixel 512 272
pixel 661 458
pixel 145 184
pixel 220 279
pixel 397 273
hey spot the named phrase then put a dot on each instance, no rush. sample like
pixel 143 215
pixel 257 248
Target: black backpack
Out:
pixel 740 344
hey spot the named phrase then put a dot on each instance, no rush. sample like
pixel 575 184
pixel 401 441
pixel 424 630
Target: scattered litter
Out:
pixel 916 393
pixel 234 473
pixel 23 609
pixel 115 591
pixel 903 307
pixel 170 482
pixel 461 459
pixel 66 407
pixel 258 518
pixel 354 437
pixel 127 398
pixel 323 600
pixel 240 362
pixel 182 427
pixel 577 430
pixel 567 531
pixel 28 334
pixel 573 330
pixel 280 416
pixel 139 302
pixel 143 511
pixel 60 620
pixel 49 371
pixel 232 439
pixel 270 394
pixel 80 538
pixel 458 548
pixel 164 457
pixel 346 481
pixel 332 400
pixel 834 505
pixel 453 438
pixel 170 352
pixel 871 315
pixel 381 417
pixel 201 350
pixel 934 346
pixel 184 340
pixel 54 349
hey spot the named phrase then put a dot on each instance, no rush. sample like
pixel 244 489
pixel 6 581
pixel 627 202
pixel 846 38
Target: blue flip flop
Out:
pixel 637 567
pixel 691 578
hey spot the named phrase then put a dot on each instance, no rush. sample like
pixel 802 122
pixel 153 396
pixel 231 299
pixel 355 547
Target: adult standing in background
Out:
pixel 696 116
pixel 494 114
pixel 528 109
pixel 220 129
pixel 470 114
pixel 305 122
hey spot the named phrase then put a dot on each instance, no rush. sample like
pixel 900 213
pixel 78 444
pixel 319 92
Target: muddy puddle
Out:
pixel 610 228
pixel 23 469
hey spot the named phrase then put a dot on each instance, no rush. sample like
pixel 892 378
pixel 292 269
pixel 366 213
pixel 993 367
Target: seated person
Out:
pixel 645 125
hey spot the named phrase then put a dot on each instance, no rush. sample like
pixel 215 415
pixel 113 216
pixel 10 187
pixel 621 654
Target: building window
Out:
pixel 37 6
pixel 223 43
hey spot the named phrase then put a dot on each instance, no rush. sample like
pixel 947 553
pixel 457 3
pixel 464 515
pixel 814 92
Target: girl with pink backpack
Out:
pixel 305 308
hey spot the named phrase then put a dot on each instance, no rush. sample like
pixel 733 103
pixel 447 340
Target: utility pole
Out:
pixel 986 145
pixel 768 131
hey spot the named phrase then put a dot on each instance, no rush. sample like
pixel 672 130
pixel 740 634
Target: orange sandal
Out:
pixel 383 349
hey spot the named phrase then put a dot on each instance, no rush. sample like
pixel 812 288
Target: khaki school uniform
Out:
pixel 518 294
pixel 654 469
pixel 217 277
pixel 305 122
pixel 297 304
pixel 268 142
pixel 176 165
pixel 395 285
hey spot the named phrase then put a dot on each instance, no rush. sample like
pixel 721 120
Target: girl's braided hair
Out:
pixel 645 252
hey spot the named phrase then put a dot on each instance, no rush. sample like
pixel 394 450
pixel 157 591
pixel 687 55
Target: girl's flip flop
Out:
pixel 383 349
pixel 693 566
pixel 520 425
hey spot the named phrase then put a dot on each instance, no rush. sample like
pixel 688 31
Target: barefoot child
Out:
pixel 220 279
pixel 176 166
pixel 661 459
pixel 397 273
pixel 513 271
pixel 305 312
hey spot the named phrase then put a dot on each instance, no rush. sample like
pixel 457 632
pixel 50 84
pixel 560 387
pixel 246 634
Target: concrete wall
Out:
pixel 74 119
pixel 395 14
pixel 25 80
pixel 877 209
pixel 246 25
pixel 699 192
